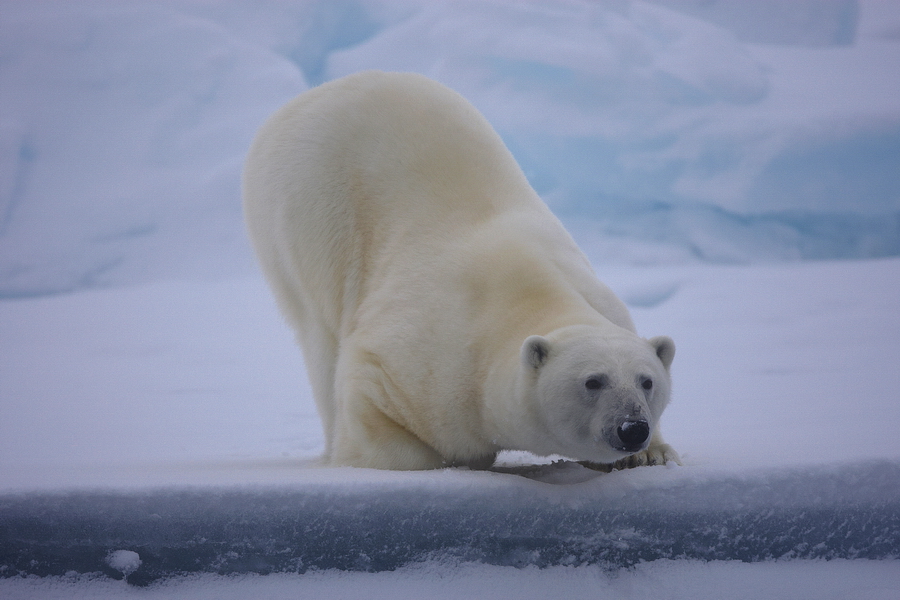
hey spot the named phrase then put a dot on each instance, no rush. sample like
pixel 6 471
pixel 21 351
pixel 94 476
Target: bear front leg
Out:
pixel 366 437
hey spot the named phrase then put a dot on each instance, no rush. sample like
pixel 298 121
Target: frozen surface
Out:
pixel 680 130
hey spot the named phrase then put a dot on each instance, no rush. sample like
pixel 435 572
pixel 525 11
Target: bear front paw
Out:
pixel 655 454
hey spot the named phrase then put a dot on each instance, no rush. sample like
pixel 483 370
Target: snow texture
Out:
pixel 825 513
pixel 680 130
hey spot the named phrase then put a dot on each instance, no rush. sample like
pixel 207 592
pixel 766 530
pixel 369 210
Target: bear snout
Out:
pixel 632 434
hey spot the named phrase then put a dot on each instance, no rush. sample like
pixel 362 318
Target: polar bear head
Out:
pixel 598 394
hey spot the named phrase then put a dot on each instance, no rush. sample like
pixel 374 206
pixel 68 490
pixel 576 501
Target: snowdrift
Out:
pixel 614 520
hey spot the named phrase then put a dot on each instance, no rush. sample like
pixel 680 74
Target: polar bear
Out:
pixel 443 311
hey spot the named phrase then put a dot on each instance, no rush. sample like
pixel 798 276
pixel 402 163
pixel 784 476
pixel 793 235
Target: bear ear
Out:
pixel 665 349
pixel 535 351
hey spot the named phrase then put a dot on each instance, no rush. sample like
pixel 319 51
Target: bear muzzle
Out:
pixel 631 435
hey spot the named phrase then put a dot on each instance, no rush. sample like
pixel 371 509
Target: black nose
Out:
pixel 633 434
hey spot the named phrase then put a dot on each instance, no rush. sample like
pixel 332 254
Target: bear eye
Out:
pixel 595 382
pixel 647 384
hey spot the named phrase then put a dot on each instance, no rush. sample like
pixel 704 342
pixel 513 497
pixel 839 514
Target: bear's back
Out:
pixel 367 167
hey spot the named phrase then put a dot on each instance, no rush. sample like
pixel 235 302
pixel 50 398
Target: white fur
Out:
pixel 408 251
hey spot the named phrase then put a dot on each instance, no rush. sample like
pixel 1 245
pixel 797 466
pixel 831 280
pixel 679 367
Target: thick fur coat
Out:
pixel 444 312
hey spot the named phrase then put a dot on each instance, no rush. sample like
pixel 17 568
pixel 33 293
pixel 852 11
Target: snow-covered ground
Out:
pixel 781 369
pixel 834 580
pixel 182 381
pixel 698 151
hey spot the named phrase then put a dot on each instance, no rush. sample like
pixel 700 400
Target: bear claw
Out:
pixel 660 454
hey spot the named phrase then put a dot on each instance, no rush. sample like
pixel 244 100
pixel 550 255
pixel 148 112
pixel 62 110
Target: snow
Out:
pixel 833 580
pixel 125 561
pixel 782 410
pixel 682 130
pixel 797 357
pixel 701 153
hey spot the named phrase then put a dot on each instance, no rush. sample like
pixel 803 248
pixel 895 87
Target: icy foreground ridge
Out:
pixel 675 130
pixel 847 512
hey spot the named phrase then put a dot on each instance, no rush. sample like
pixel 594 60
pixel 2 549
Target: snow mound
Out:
pixel 677 130
pixel 125 561
pixel 124 127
